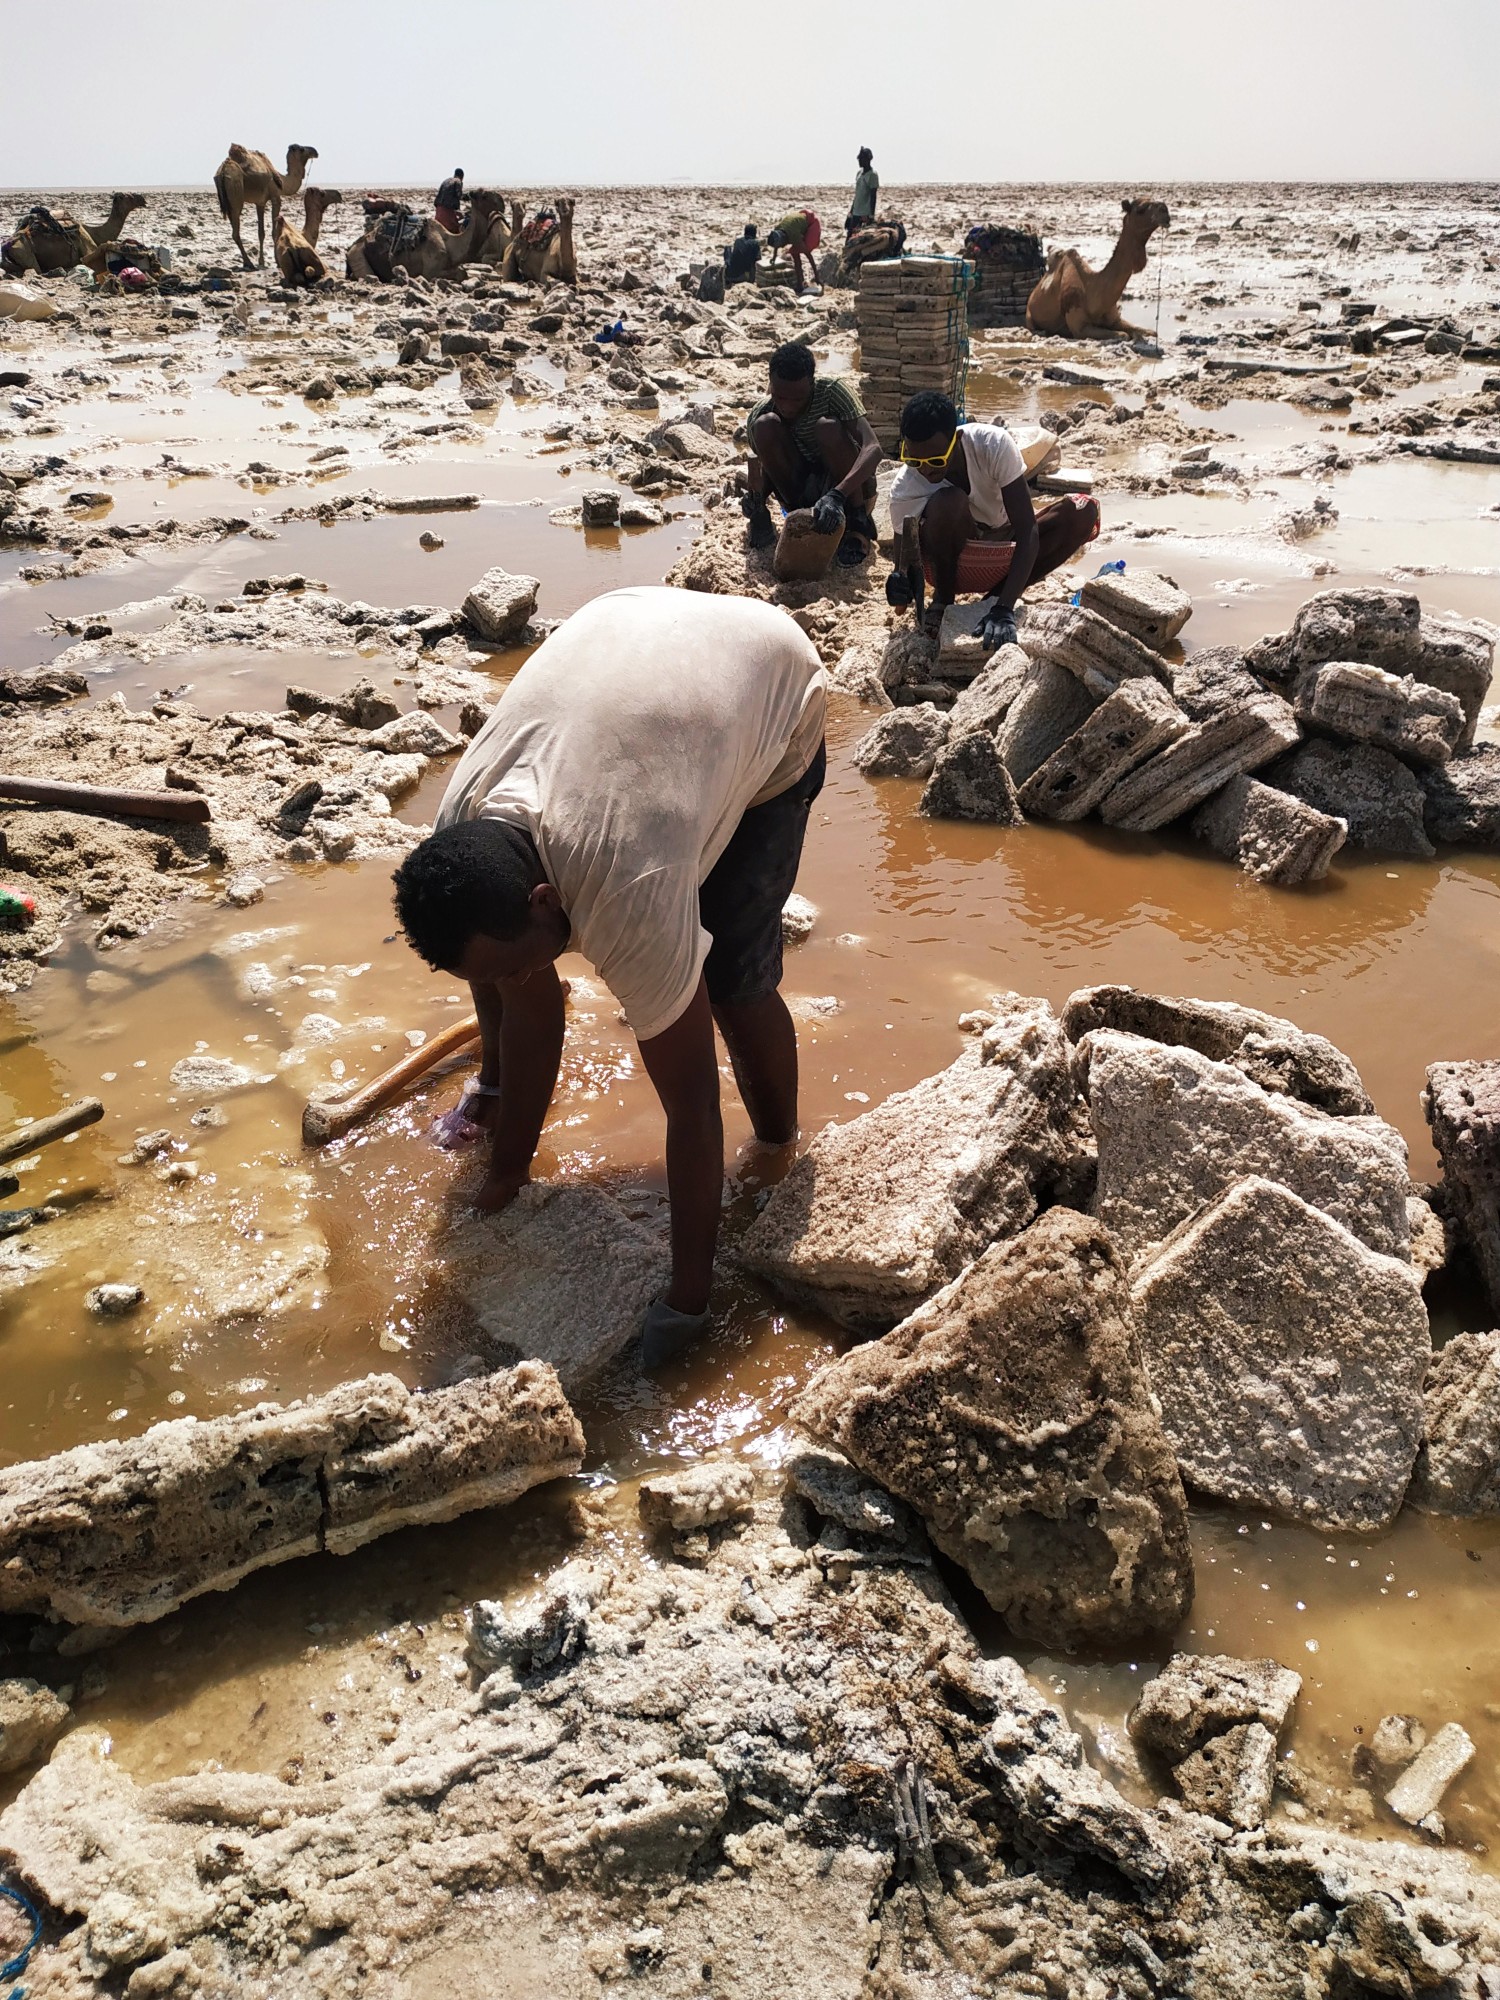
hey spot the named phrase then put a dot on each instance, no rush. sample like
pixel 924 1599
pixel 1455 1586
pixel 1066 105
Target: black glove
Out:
pixel 828 512
pixel 998 629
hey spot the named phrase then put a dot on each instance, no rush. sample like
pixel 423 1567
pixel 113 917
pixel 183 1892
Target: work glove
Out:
pixel 665 1333
pixel 998 629
pixel 828 512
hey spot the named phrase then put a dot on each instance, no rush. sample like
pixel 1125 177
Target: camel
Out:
pixel 548 255
pixel 432 252
pixel 297 258
pixel 120 206
pixel 250 177
pixel 1074 299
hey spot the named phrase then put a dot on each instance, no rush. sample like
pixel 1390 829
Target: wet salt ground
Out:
pixel 1397 961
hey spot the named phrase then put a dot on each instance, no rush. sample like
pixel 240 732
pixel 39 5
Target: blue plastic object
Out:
pixel 611 332
pixel 1105 569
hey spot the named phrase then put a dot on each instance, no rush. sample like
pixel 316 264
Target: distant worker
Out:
pixel 450 199
pixel 811 446
pixel 639 794
pixel 799 232
pixel 742 256
pixel 965 486
pixel 866 194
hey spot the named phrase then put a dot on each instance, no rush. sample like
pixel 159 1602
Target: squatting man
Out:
pixel 965 486
pixel 639 794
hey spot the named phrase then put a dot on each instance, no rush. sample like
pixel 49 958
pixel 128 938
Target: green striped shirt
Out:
pixel 830 398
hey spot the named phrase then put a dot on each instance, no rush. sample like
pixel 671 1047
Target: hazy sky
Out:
pixel 150 92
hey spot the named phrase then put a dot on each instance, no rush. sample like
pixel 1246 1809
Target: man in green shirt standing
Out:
pixel 811 445
pixel 866 194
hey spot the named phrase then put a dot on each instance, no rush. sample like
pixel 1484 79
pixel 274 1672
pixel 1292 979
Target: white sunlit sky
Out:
pixel 148 93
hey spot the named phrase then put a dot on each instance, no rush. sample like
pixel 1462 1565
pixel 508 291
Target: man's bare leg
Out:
pixel 1063 529
pixel 776 466
pixel 946 525
pixel 762 1042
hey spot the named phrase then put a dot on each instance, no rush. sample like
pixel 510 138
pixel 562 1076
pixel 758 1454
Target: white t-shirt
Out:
pixel 628 747
pixel 994 461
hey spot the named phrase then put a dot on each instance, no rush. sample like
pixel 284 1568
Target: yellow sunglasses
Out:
pixel 929 464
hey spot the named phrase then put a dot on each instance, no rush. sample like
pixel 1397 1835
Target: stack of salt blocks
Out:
pixel 1010 266
pixel 913 334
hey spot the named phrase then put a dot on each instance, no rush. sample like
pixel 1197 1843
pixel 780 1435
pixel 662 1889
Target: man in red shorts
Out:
pixel 965 485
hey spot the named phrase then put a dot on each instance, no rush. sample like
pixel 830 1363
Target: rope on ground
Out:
pixel 14 1967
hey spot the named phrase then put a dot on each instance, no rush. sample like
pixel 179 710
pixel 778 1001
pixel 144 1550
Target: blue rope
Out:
pixel 13 1967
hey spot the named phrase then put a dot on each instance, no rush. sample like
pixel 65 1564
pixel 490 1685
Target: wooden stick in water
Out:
pixel 191 806
pixel 23 1139
pixel 322 1122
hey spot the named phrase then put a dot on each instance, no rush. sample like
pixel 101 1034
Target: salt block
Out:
pixel 1419 724
pixel 1199 763
pixel 1232 1777
pixel 1098 651
pixel 499 605
pixel 1049 706
pixel 1458 1467
pixel 1287 1357
pixel 1198 1696
pixel 1420 1788
pixel 1142 602
pixel 1127 727
pixel 1462 799
pixel 1272 835
pixel 122 1532
pixel 1462 1103
pixel 802 554
pixel 881 1212
pixel 562 1275
pixel 1382 803
pixel 1174 1130
pixel 903 743
pixel 969 782
pixel 1011 1414
pixel 1276 1054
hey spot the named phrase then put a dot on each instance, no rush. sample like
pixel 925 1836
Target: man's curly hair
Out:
pixel 475 877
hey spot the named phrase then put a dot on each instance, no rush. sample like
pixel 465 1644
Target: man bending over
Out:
pixel 812 446
pixel 639 794
pixel 965 486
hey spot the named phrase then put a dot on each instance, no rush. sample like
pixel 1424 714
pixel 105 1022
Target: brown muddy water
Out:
pixel 1396 961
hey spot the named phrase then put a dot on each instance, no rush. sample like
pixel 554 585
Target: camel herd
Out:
pixel 396 242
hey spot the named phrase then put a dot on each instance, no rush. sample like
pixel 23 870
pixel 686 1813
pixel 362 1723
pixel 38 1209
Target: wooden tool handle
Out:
pixel 164 804
pixel 22 1139
pixel 322 1122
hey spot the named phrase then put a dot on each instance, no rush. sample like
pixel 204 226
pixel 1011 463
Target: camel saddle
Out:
pixel 398 229
pixel 541 229
pixel 41 222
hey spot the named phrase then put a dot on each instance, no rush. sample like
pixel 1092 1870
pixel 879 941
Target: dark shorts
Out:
pixel 740 903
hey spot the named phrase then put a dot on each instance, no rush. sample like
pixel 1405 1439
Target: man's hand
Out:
pixel 828 511
pixel 998 628
pixel 498 1191
pixel 483 1111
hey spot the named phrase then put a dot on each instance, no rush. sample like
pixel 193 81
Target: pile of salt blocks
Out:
pixel 1145 1246
pixel 1359 725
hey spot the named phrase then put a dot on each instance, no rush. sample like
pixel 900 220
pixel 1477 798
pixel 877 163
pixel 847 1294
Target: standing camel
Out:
pixel 297 258
pixel 433 252
pixel 1072 297
pixel 250 177
pixel 543 248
